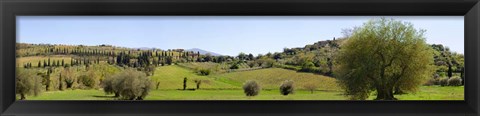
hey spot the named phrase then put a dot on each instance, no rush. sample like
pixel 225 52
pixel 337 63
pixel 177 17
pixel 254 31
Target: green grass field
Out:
pixel 227 86
pixel 434 93
pixel 425 93
pixel 171 77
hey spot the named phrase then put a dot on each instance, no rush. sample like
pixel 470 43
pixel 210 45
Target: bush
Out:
pixel 87 81
pixel 27 82
pixel 68 77
pixel 310 67
pixel 128 85
pixel 436 81
pixel 251 88
pixel 430 82
pixel 287 87
pixel 443 81
pixel 149 70
pixel 455 81
pixel 205 71
pixel 235 66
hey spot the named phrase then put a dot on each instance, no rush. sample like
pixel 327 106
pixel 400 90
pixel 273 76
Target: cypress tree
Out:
pixel 450 71
pixel 60 87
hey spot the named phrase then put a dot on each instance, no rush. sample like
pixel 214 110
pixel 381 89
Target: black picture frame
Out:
pixel 470 9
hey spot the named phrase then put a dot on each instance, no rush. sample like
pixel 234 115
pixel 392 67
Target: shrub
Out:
pixel 68 77
pixel 149 70
pixel 252 64
pixel 308 67
pixel 128 85
pixel 455 81
pixel 87 81
pixel 251 88
pixel 27 82
pixel 430 82
pixel 287 87
pixel 235 66
pixel 205 71
pixel 443 81
pixel 436 81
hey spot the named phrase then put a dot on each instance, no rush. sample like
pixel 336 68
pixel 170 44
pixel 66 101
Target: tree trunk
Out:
pixel 398 91
pixel 385 93
pixel 22 96
pixel 311 91
pixel 117 94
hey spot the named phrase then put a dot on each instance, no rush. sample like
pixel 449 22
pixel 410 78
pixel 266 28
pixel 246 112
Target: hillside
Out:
pixel 272 78
pixel 171 77
pixel 322 55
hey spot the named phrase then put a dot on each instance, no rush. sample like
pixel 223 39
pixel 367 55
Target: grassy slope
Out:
pixel 171 77
pixel 272 78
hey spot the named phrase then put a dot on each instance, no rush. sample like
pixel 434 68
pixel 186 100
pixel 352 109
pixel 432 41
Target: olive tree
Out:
pixel 287 87
pixel 129 84
pixel 251 88
pixel 381 55
pixel 27 83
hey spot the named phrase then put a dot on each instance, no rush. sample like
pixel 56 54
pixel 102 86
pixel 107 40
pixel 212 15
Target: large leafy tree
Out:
pixel 27 83
pixel 381 55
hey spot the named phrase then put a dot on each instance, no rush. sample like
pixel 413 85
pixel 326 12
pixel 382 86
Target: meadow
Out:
pixel 425 93
pixel 227 86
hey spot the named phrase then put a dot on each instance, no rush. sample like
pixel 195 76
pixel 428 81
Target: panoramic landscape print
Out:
pixel 240 58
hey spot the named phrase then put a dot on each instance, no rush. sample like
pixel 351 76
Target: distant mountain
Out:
pixel 203 52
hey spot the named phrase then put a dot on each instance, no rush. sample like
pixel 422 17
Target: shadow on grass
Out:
pixel 98 96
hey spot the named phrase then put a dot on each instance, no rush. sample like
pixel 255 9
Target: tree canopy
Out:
pixel 381 55
pixel 27 83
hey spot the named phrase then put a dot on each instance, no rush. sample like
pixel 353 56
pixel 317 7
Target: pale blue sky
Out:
pixel 227 35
